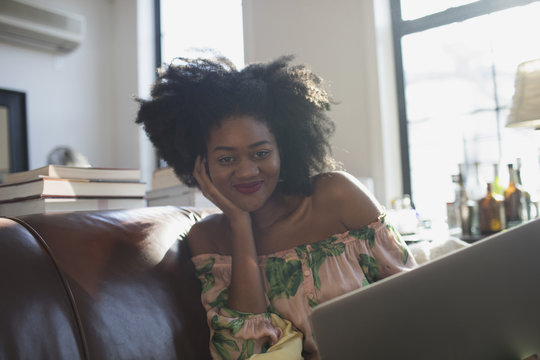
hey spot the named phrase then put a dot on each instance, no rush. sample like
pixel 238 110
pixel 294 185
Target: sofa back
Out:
pixel 100 285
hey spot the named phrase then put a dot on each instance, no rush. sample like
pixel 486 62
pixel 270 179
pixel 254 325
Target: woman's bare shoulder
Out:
pixel 346 196
pixel 205 236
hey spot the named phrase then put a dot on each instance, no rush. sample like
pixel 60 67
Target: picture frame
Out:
pixel 16 145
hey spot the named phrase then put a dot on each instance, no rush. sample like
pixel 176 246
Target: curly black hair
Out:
pixel 193 95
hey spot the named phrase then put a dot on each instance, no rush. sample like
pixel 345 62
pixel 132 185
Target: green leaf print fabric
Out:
pixel 205 274
pixel 320 251
pixel 370 267
pixel 296 280
pixel 283 276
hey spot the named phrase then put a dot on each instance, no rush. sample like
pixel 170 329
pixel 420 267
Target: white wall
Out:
pixel 338 40
pixel 84 99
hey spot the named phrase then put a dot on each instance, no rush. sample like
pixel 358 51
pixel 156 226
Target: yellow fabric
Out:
pixel 289 346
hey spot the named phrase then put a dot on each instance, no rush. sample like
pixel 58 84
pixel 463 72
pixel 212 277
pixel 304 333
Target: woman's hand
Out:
pixel 246 292
pixel 209 190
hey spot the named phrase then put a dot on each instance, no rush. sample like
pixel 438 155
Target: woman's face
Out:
pixel 243 161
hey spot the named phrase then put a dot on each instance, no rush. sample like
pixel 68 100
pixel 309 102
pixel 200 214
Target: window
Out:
pixel 455 67
pixel 201 28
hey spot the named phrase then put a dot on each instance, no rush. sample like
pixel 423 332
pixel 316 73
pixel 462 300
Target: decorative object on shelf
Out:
pixel 64 155
pixel 525 111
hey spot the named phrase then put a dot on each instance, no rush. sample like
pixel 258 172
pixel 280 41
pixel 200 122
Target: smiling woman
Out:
pixel 293 232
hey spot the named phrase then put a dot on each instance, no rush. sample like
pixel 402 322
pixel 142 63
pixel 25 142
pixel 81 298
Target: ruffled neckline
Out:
pixel 340 237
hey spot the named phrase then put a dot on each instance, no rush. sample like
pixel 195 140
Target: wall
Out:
pixel 342 42
pixel 84 99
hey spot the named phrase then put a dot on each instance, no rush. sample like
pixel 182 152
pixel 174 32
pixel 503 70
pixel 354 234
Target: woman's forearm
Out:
pixel 246 291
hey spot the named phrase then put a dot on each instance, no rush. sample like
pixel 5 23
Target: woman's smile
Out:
pixel 249 188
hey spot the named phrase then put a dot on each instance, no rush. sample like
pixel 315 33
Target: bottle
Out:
pixel 490 213
pixel 476 187
pixel 465 209
pixel 513 204
pixel 452 207
pixel 496 187
pixel 526 197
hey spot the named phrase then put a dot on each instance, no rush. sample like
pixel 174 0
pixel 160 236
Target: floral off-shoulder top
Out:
pixel 296 280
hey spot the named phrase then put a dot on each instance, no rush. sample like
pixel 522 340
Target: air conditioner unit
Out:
pixel 37 25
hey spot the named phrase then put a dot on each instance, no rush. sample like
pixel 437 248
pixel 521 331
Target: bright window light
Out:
pixel 202 28
pixel 414 9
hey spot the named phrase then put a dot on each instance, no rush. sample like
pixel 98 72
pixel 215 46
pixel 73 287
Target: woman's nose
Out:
pixel 247 168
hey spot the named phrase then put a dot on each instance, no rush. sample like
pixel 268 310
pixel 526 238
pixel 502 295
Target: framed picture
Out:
pixel 13 134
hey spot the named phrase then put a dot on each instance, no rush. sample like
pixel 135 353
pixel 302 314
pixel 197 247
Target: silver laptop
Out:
pixel 481 302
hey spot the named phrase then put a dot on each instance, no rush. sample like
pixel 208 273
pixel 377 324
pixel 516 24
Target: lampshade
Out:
pixel 525 111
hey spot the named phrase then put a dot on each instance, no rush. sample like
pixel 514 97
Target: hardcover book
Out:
pixel 71 172
pixel 52 187
pixel 50 205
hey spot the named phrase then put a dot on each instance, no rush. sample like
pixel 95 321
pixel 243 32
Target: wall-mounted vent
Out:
pixel 38 25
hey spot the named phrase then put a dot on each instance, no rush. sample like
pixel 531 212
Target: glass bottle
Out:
pixel 452 207
pixel 496 187
pixel 476 187
pixel 526 197
pixel 465 208
pixel 513 205
pixel 490 213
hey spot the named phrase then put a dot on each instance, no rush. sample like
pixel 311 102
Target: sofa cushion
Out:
pixel 37 318
pixel 133 286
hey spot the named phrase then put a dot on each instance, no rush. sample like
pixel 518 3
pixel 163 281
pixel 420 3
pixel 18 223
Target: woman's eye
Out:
pixel 225 160
pixel 262 154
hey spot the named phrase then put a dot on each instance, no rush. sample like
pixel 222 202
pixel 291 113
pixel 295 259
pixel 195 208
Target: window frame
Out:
pixel 157 33
pixel 401 28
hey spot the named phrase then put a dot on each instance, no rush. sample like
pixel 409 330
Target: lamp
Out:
pixel 525 111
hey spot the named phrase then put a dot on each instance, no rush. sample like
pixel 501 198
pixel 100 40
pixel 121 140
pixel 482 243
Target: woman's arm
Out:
pixel 246 291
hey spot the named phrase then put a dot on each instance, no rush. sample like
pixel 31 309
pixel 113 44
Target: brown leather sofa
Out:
pixel 100 285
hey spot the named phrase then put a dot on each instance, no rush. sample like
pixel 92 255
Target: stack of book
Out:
pixel 56 188
pixel 167 189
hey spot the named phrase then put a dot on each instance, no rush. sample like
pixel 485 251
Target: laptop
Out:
pixel 480 302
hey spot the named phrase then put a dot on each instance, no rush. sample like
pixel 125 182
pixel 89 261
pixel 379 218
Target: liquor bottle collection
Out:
pixel 483 209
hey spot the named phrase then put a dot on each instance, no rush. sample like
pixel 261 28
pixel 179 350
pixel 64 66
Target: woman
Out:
pixel 292 232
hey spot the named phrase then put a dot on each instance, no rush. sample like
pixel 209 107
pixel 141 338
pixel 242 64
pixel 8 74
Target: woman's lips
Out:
pixel 248 188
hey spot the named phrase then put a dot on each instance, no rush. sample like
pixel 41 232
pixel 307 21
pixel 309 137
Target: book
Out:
pixel 72 172
pixel 178 190
pixel 195 199
pixel 52 187
pixel 51 205
pixel 179 195
pixel 164 177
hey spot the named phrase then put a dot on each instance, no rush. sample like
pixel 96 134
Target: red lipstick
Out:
pixel 248 188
